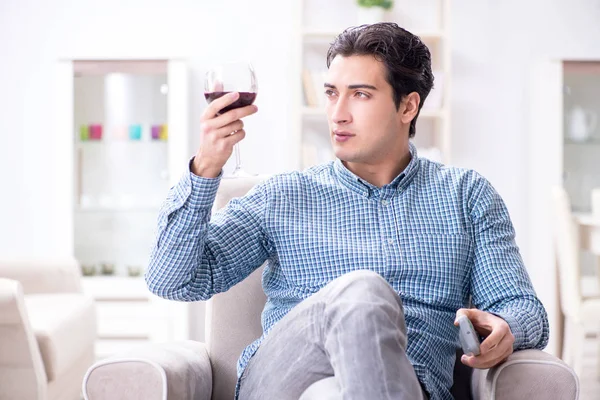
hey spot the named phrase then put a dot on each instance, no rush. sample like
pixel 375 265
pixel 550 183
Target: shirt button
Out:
pixel 391 241
pixel 384 202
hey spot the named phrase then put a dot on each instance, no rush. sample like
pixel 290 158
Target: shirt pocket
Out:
pixel 436 268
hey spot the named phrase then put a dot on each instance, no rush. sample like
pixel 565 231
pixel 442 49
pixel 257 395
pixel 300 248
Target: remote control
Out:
pixel 469 340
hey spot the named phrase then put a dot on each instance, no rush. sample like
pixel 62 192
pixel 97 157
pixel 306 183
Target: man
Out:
pixel 370 258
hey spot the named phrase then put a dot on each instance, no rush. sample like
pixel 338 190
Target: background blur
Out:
pixel 486 53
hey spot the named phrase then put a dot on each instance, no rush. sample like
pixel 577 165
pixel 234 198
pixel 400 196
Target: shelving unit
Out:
pixel 314 35
pixel 128 315
pixel 119 179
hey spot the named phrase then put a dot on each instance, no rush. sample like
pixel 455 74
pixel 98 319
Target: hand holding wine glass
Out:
pixel 230 89
pixel 220 132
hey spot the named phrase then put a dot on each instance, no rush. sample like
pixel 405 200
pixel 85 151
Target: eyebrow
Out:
pixel 356 86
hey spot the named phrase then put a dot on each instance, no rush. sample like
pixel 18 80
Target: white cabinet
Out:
pixel 130 145
pixel 123 144
pixel 564 149
pixel 318 24
pixel 129 315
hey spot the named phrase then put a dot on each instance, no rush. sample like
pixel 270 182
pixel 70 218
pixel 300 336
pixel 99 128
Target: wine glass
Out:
pixel 232 77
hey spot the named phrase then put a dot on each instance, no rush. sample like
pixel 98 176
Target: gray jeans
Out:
pixel 352 329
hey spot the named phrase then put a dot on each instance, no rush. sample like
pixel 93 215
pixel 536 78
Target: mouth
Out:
pixel 342 136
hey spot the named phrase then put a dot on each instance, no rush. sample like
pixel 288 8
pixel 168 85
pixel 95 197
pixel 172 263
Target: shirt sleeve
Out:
pixel 197 255
pixel 499 281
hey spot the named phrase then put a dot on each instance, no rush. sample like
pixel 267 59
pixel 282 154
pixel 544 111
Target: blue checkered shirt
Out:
pixel 441 236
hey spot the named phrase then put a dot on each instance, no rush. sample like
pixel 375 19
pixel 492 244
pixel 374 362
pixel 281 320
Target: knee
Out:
pixel 363 284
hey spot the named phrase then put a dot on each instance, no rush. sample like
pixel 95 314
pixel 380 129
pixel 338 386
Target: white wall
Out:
pixel 494 44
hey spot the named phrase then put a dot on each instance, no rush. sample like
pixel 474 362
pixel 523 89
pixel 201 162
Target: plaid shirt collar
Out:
pixel 362 187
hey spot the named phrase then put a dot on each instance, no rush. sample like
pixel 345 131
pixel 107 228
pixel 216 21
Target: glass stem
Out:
pixel 238 161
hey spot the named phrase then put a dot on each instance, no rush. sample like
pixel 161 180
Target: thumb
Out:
pixel 471 313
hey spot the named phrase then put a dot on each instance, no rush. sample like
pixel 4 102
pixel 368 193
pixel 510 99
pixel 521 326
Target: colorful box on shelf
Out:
pixel 160 132
pixel 120 132
pixel 156 131
pixel 90 132
pixel 135 132
pixel 95 132
pixel 84 133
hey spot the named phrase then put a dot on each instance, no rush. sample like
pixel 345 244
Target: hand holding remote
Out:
pixel 498 343
pixel 469 338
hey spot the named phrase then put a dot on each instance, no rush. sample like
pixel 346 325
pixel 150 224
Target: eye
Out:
pixel 362 95
pixel 329 93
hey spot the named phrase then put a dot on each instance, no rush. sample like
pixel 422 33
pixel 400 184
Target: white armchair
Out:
pixel 193 370
pixel 47 330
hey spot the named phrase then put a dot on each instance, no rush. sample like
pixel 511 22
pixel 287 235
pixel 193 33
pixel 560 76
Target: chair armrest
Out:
pixel 164 371
pixel 527 374
pixel 22 373
pixel 44 276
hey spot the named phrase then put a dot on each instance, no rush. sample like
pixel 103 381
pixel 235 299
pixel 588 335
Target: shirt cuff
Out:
pixel 202 191
pixel 515 328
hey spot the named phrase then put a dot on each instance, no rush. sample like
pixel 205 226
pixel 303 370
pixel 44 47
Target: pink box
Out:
pixel 95 131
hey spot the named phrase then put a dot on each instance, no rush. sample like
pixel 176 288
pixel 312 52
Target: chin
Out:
pixel 346 156
pixel 339 153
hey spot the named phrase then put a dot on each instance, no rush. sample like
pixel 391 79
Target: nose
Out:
pixel 340 112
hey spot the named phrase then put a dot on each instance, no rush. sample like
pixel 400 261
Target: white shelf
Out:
pixel 128 314
pixel 117 142
pixel 116 287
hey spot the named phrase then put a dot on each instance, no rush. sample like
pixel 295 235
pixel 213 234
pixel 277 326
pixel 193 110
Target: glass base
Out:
pixel 239 173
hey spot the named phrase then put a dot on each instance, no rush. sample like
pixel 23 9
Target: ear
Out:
pixel 409 107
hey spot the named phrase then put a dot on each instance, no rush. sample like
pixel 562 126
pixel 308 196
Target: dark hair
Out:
pixel 406 58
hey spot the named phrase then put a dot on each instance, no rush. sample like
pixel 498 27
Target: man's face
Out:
pixel 364 125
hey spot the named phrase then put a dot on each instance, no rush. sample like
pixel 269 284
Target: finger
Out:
pixel 499 354
pixel 482 321
pixel 500 357
pixel 215 133
pixel 229 129
pixel 460 312
pixel 235 137
pixel 232 115
pixel 494 338
pixel 477 317
pixel 218 104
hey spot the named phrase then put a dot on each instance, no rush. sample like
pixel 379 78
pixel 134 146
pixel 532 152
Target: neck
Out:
pixel 380 173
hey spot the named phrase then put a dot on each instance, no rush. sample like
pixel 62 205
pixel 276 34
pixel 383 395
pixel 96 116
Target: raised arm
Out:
pixel 195 256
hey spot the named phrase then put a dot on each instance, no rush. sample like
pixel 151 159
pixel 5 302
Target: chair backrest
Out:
pixel 233 317
pixel 567 246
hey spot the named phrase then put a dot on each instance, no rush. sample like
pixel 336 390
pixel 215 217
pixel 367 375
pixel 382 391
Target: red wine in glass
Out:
pixel 232 77
pixel 245 99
